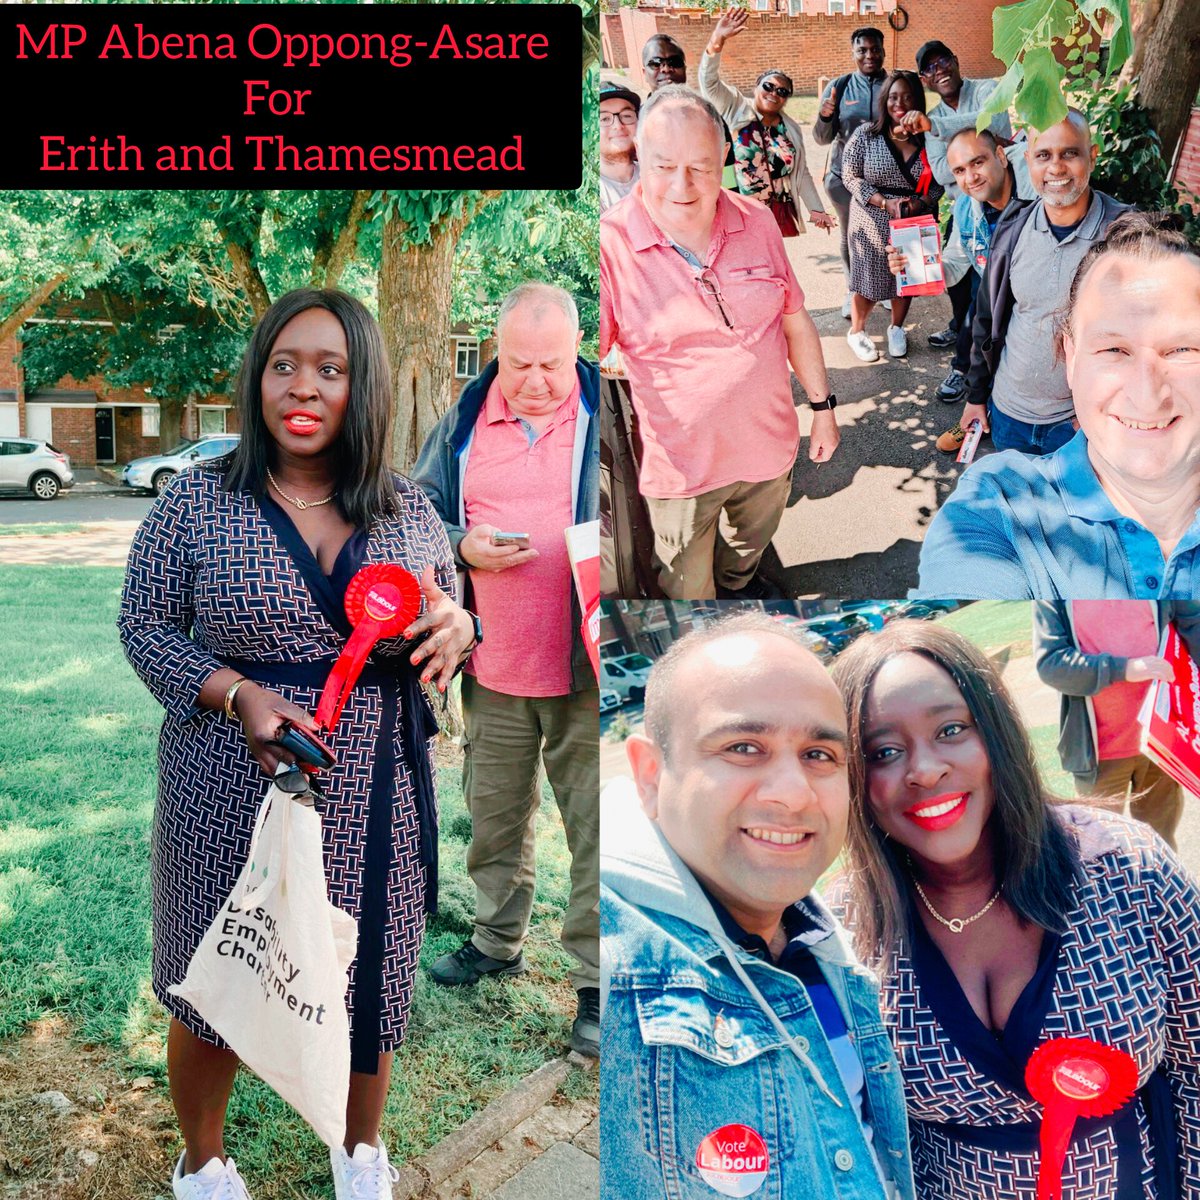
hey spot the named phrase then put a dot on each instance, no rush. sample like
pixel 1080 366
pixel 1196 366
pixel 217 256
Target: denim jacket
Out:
pixel 701 1038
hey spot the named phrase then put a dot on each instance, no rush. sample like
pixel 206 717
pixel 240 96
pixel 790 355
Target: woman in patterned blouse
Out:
pixel 232 614
pixel 768 146
pixel 997 921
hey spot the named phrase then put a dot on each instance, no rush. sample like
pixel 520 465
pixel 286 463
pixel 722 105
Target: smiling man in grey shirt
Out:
pixel 1035 251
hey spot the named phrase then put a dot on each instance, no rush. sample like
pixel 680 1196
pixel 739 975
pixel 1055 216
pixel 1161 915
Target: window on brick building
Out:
pixel 466 358
pixel 149 421
pixel 763 5
pixel 212 420
pixel 837 8
pixel 868 6
pixel 795 8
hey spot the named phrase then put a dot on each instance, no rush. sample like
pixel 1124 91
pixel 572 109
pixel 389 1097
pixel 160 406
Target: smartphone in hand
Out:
pixel 511 539
pixel 307 747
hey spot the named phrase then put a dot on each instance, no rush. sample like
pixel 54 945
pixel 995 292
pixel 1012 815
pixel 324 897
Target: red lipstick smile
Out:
pixel 301 422
pixel 938 812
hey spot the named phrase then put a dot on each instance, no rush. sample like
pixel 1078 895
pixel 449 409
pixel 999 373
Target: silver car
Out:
pixel 38 466
pixel 157 470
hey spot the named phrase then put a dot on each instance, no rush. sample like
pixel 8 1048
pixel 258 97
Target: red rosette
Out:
pixel 1071 1078
pixel 381 601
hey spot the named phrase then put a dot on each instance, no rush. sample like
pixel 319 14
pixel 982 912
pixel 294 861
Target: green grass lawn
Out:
pixel 994 624
pixel 37 530
pixel 77 780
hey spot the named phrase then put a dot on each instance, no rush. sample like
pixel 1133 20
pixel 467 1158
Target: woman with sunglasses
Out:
pixel 998 920
pixel 233 613
pixel 887 173
pixel 768 147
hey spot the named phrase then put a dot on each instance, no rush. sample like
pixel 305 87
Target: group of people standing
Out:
pixel 1023 233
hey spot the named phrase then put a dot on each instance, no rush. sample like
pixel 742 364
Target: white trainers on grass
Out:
pixel 216 1180
pixel 365 1175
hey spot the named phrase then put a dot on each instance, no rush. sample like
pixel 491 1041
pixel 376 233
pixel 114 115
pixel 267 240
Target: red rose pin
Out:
pixel 381 600
pixel 1071 1078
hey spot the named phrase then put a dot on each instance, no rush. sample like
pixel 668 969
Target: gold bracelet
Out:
pixel 231 695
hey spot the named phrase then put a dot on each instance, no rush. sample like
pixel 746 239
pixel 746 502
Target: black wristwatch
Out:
pixel 829 402
pixel 478 627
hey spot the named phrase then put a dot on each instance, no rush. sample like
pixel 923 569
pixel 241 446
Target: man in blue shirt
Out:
pixel 741 1041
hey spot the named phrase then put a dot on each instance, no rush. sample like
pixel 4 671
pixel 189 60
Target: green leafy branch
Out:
pixel 1024 39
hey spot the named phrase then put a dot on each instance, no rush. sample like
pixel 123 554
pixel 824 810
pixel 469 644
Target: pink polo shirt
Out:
pixel 523 488
pixel 714 401
pixel 1128 629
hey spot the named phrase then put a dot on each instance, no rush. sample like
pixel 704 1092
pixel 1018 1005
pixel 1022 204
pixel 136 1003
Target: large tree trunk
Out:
pixel 1144 14
pixel 1171 70
pixel 414 313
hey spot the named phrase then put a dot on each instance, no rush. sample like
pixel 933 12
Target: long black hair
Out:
pixel 1036 863
pixel 362 467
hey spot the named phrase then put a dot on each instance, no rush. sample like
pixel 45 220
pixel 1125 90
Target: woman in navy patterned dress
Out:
pixel 997 922
pixel 232 614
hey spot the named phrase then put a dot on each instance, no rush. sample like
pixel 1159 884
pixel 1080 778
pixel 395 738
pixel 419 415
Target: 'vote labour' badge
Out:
pixel 733 1160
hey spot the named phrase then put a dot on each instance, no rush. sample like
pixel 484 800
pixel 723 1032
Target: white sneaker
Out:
pixel 862 346
pixel 887 304
pixel 216 1180
pixel 367 1175
pixel 846 307
pixel 897 341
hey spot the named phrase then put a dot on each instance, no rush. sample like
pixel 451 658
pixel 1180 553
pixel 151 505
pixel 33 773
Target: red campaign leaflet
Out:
pixel 733 1160
pixel 920 241
pixel 583 549
pixel 1170 716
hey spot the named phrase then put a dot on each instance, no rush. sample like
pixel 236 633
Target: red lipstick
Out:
pixel 938 812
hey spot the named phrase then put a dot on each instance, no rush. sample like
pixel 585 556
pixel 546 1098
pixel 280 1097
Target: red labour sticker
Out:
pixel 733 1160
pixel 1080 1078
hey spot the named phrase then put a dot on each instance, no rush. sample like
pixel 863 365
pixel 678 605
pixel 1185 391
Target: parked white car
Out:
pixel 609 700
pixel 626 675
pixel 154 472
pixel 27 464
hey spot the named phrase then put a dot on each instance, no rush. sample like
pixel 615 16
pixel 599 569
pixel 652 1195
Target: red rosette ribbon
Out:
pixel 381 601
pixel 1071 1078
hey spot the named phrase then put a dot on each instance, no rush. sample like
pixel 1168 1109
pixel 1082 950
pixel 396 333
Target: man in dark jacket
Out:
pixel 1016 384
pixel 509 468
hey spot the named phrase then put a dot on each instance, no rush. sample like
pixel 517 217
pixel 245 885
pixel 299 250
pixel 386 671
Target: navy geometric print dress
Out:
pixel 1127 973
pixel 219 578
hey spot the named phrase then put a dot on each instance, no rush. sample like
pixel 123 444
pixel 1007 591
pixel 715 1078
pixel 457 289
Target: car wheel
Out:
pixel 44 486
pixel 160 481
pixel 637 695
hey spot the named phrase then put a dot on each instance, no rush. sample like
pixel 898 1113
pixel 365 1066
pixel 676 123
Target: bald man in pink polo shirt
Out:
pixel 696 290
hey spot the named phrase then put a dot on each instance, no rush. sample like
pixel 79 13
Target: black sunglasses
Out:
pixel 675 62
pixel 784 93
pixel 937 64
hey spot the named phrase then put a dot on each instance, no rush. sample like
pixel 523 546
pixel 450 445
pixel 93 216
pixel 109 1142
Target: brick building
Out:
pixel 95 423
pixel 809 39
pixel 1187 166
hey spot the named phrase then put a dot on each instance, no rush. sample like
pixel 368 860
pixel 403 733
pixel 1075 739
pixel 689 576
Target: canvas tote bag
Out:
pixel 270 975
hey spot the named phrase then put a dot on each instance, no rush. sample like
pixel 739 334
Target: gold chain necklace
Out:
pixel 300 504
pixel 955 924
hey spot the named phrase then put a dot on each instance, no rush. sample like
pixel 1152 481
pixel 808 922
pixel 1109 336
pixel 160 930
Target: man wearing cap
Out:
pixel 618 151
pixel 847 103
pixel 509 467
pixel 697 291
pixel 741 1039
pixel 961 102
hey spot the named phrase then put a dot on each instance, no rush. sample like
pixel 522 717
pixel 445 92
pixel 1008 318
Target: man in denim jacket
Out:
pixel 742 1045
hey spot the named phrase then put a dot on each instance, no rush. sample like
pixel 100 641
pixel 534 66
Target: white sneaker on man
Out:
pixel 846 307
pixel 862 346
pixel 216 1180
pixel 365 1175
pixel 897 341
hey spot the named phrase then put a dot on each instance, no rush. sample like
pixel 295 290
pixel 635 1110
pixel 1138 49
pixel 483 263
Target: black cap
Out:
pixel 614 91
pixel 929 49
